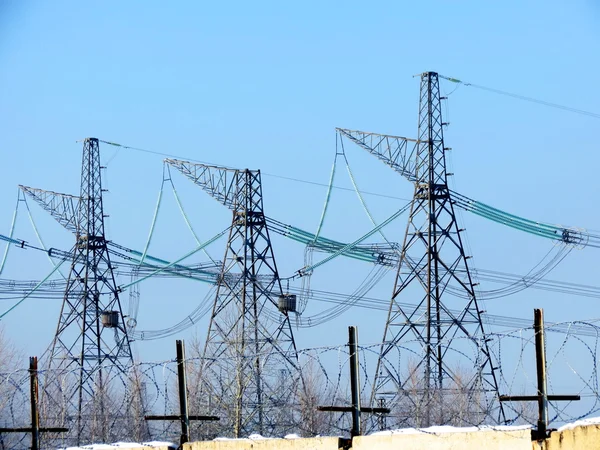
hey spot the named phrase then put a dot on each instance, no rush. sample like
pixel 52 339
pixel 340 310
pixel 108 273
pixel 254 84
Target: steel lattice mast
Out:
pixel 250 370
pixel 91 347
pixel 431 358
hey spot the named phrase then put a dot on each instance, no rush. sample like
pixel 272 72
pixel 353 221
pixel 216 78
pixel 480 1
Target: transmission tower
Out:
pixel 250 364
pixel 91 348
pixel 431 358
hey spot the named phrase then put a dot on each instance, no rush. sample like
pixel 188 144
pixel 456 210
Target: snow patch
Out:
pixel 127 444
pixel 449 429
pixel 580 423
pixel 118 445
pixel 256 437
pixel 160 444
pixel 252 437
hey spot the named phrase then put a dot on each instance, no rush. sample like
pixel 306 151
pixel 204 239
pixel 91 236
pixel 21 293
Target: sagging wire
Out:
pixel 12 231
pixel 523 282
pixel 309 248
pixel 32 291
pixel 190 320
pixel 134 293
pixel 184 214
pixel 360 197
pixel 177 261
pixel 345 248
pixel 154 217
pixel 373 278
pixel 39 237
pixel 567 235
pixel 328 195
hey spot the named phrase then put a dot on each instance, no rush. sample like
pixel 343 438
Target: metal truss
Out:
pixel 251 365
pixel 91 349
pixel 432 353
pixel 395 151
pixel 63 207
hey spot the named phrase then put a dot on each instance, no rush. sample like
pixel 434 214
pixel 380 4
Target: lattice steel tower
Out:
pixel 250 367
pixel 434 366
pixel 91 346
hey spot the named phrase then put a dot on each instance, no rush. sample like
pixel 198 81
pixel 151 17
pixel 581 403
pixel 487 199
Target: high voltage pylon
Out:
pixel 250 371
pixel 91 347
pixel 431 358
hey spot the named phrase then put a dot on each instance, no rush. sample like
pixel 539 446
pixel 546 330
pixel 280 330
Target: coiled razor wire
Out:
pixel 151 388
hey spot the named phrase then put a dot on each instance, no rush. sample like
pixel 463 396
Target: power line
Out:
pixel 153 152
pixel 272 175
pixel 525 98
pixel 375 194
pixel 379 304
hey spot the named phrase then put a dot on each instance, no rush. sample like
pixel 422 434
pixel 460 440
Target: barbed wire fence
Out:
pixel 571 358
pixel 151 388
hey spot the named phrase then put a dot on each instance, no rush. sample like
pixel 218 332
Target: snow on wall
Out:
pixel 448 438
pixel 260 443
pixel 154 445
pixel 583 434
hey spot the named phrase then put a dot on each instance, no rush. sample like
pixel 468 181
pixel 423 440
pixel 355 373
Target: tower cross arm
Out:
pixel 63 207
pixel 219 182
pixel 396 151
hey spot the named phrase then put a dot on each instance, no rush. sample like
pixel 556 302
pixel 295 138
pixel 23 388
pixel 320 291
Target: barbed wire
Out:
pixel 151 388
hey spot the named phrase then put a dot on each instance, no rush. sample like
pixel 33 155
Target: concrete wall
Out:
pixel 578 436
pixel 447 438
pixel 321 443
pixel 442 438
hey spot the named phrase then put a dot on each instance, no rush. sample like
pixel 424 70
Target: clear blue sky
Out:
pixel 262 85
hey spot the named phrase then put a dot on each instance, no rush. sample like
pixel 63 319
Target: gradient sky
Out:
pixel 263 85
